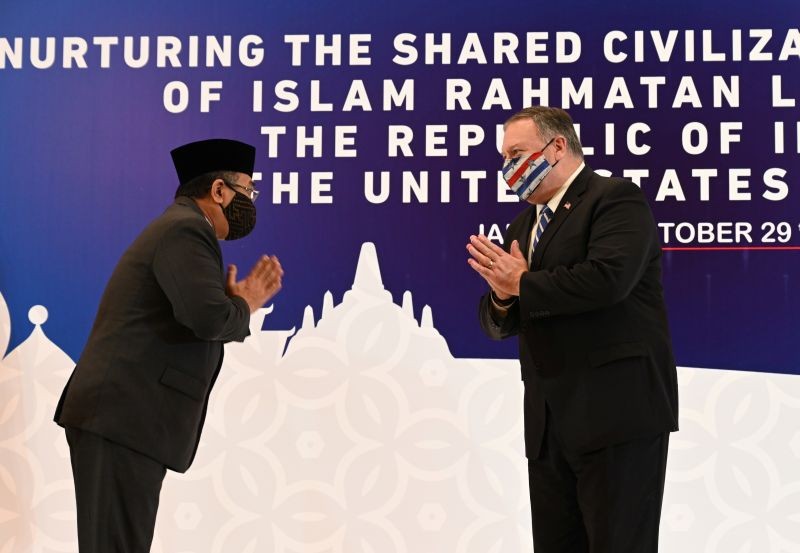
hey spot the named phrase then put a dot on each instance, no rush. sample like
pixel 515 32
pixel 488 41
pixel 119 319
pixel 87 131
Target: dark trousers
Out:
pixel 116 492
pixel 604 501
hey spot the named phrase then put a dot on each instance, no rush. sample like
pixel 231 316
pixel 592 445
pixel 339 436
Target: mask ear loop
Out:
pixel 545 146
pixel 541 153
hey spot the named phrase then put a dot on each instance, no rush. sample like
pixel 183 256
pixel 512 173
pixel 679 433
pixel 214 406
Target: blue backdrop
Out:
pixel 84 155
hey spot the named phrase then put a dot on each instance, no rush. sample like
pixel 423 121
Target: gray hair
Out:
pixel 200 186
pixel 551 122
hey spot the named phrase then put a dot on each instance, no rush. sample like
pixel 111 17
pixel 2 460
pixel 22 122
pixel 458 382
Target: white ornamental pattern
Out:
pixel 361 433
pixel 37 504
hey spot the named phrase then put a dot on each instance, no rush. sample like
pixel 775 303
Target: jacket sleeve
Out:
pixel 188 267
pixel 622 242
pixel 507 326
pixel 498 329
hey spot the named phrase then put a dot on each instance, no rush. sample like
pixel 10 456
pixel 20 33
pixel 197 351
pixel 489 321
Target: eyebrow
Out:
pixel 514 146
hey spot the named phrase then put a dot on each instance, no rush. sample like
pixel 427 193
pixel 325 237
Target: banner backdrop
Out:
pixel 367 411
pixel 381 123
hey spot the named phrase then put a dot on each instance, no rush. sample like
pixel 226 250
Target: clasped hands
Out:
pixel 502 270
pixel 258 287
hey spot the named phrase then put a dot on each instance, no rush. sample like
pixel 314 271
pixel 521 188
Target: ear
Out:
pixel 216 191
pixel 560 147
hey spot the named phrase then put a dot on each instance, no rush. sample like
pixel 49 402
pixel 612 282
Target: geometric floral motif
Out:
pixel 360 432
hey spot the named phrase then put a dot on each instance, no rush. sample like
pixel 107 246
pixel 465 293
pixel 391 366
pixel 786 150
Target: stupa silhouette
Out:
pixel 368 313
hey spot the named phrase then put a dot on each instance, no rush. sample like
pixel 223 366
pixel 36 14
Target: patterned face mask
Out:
pixel 524 176
pixel 241 216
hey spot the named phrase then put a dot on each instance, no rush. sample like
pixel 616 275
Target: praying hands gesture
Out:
pixel 500 269
pixel 263 282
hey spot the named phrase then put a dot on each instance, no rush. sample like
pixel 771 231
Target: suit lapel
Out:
pixel 565 208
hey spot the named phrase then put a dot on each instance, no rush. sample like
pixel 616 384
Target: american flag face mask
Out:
pixel 524 176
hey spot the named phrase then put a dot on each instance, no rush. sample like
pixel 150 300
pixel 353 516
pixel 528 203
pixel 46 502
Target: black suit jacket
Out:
pixel 155 349
pixel 594 342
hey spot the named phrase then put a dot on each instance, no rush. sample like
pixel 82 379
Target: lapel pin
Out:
pixel 567 205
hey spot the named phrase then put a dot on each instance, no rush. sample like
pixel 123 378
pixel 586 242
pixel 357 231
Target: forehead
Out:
pixel 521 134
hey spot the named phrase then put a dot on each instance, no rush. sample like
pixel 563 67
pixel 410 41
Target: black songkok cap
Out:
pixel 216 154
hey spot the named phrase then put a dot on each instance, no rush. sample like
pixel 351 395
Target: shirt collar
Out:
pixel 556 199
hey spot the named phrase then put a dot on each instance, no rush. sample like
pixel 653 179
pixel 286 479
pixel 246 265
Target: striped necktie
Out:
pixel 545 216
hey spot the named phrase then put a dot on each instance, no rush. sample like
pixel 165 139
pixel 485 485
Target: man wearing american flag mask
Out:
pixel 579 284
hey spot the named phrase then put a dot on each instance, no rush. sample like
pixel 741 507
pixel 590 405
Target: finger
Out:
pixel 257 266
pixel 480 269
pixel 480 252
pixel 262 265
pixel 491 246
pixel 269 264
pixel 231 276
pixel 485 247
pixel 276 287
pixel 273 289
pixel 516 251
pixel 479 245
pixel 269 275
pixel 274 271
pixel 276 276
pixel 478 256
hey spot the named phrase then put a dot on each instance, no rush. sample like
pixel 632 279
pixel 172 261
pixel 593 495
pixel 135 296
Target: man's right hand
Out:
pixel 260 285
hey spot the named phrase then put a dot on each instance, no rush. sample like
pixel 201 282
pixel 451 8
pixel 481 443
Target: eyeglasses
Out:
pixel 249 191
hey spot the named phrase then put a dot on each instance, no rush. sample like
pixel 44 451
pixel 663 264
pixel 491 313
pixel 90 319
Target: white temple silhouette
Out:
pixel 368 313
pixel 360 432
pixel 362 428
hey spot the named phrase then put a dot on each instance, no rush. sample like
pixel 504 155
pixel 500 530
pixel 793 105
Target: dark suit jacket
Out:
pixel 155 349
pixel 594 342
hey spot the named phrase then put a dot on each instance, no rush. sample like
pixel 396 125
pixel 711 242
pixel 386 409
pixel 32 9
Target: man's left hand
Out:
pixel 500 269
